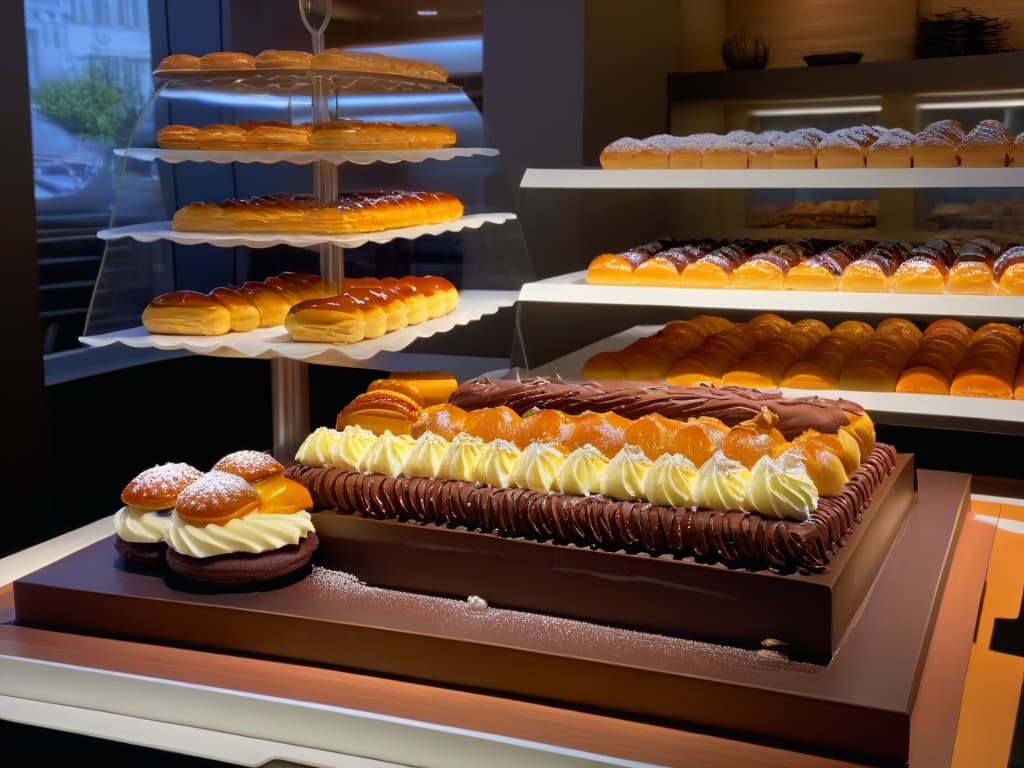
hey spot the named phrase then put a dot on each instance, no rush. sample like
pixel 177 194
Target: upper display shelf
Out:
pixel 773 178
pixel 337 157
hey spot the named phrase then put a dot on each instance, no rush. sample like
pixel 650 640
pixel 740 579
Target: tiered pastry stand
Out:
pixel 288 359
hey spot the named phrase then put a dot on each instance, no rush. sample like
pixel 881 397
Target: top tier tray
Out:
pixel 775 178
pixel 337 157
pixel 299 80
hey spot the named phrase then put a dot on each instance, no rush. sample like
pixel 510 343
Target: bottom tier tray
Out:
pixel 275 342
pixel 858 706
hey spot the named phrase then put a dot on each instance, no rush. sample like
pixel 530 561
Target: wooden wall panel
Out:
pixel 884 30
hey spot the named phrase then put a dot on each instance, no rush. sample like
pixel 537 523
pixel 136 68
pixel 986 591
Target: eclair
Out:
pixel 227 60
pixel 275 59
pixel 177 137
pixel 187 313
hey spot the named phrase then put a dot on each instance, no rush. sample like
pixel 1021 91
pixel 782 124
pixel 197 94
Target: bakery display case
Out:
pixel 502 555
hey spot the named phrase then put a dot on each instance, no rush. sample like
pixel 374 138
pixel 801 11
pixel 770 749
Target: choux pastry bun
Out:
pixel 215 498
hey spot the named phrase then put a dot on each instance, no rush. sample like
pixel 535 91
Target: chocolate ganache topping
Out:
pixel 634 399
pixel 738 539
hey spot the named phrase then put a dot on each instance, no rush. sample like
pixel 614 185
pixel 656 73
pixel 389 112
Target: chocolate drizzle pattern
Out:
pixel 737 539
pixel 634 399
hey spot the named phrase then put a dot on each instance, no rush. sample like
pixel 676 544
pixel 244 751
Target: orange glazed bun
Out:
pixel 444 420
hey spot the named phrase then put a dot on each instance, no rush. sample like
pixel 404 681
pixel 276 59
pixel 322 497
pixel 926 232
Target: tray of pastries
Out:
pixel 946 357
pixel 943 143
pixel 980 266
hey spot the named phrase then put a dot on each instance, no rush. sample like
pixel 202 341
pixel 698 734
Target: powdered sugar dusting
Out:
pixel 214 489
pixel 248 464
pixel 545 633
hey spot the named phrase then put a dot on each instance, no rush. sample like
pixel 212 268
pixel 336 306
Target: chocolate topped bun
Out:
pixel 148 500
pixel 637 398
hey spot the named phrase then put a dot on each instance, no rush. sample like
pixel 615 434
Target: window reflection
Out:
pixel 89 66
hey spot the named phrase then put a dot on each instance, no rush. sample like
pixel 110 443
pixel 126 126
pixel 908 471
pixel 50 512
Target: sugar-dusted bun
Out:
pixel 332 319
pixel 245 315
pixel 220 136
pixel 227 60
pixel 178 62
pixel 188 313
pixel 252 466
pixel 177 137
pixel 158 487
pixel 275 59
pixel 215 498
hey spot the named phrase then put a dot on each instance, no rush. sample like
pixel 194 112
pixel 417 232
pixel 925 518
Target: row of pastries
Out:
pixel 979 266
pixel 336 59
pixel 944 143
pixel 947 357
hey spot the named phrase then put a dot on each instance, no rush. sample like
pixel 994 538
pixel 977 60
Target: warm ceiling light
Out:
pixel 427 12
pixel 989 104
pixel 837 110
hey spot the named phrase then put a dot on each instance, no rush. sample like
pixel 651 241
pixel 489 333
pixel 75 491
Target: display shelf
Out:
pixel 572 288
pixel 292 80
pixel 906 409
pixel 335 157
pixel 270 343
pixel 150 232
pixel 757 178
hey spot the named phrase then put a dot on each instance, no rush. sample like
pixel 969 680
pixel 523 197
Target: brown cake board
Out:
pixel 858 706
pixel 804 616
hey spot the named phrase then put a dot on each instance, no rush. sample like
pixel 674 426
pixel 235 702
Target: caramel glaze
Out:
pixel 736 539
pixel 634 399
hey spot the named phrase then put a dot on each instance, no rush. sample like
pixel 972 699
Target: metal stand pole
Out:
pixel 289 379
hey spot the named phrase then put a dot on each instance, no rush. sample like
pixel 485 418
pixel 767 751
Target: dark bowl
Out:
pixel 840 57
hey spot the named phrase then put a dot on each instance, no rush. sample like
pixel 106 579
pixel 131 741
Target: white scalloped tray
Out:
pixel 267 343
pixel 337 157
pixel 161 230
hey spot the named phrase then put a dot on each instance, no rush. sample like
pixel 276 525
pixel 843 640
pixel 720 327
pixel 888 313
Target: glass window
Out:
pixel 87 87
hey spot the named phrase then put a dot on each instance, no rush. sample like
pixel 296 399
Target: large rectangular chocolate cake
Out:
pixel 743 495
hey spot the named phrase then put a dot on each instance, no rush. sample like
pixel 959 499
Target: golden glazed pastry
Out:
pixel 370 308
pixel 188 313
pixel 227 60
pixel 361 135
pixel 351 61
pixel 354 212
pixel 178 62
pixel 177 137
pixel 220 136
pixel 274 59
pixel 277 136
